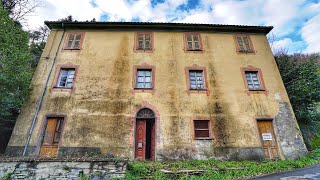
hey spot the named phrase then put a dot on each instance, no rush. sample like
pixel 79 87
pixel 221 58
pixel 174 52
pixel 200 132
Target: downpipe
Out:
pixel 42 95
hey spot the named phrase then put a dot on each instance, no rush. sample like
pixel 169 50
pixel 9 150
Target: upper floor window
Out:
pixel 144 41
pixel 196 79
pixel 66 77
pixel 144 78
pixel 244 44
pixel 74 41
pixel 253 80
pixel 193 42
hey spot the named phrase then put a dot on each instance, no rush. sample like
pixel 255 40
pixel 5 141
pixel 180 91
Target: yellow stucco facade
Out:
pixel 100 109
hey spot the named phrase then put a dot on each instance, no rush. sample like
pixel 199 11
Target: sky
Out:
pixel 296 22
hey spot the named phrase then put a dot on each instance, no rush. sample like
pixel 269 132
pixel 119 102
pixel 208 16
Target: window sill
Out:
pixel 61 89
pixel 71 49
pixel 194 50
pixel 246 52
pixel 143 90
pixel 203 138
pixel 198 91
pixel 144 50
pixel 260 91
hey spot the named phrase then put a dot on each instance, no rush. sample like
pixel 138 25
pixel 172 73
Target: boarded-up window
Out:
pixel 74 41
pixel 196 79
pixel 201 129
pixel 244 43
pixel 66 78
pixel 144 78
pixel 144 41
pixel 253 80
pixel 193 42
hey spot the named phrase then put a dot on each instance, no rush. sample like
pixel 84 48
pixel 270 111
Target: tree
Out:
pixel 300 75
pixel 19 9
pixel 15 69
pixel 37 39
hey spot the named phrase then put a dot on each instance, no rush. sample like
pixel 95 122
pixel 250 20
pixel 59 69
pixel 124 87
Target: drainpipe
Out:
pixel 42 95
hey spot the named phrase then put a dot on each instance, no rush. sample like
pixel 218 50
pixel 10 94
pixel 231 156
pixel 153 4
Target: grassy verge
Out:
pixel 213 169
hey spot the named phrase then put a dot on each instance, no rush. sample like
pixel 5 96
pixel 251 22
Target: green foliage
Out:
pixel 300 75
pixel 7 176
pixel 214 169
pixel 15 69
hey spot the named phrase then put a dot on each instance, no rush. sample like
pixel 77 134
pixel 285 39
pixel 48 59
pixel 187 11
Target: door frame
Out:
pixel 132 139
pixel 43 128
pixel 269 118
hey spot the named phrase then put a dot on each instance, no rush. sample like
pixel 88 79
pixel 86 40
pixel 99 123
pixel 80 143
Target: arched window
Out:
pixel 145 113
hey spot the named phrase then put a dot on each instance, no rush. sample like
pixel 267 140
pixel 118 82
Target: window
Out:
pixel 193 42
pixel 253 80
pixel 144 41
pixel 201 129
pixel 74 41
pixel 66 78
pixel 244 43
pixel 196 79
pixel 144 78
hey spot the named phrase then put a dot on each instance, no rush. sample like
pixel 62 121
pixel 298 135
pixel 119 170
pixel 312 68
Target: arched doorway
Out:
pixel 145 135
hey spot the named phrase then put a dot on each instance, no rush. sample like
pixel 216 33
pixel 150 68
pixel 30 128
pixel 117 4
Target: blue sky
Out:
pixel 296 22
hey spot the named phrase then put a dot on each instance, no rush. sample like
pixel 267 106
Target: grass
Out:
pixel 214 169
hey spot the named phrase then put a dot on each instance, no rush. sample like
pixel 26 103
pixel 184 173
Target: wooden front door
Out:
pixel 140 139
pixel 51 138
pixel 145 139
pixel 268 139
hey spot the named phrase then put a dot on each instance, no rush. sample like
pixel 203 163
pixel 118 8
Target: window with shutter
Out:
pixel 144 41
pixel 201 129
pixel 193 42
pixel 244 44
pixel 74 41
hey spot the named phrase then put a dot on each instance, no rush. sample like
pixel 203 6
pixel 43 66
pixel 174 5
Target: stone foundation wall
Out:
pixel 62 170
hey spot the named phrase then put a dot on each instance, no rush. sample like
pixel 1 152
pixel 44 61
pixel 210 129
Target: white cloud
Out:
pixel 281 44
pixel 311 34
pixel 287 16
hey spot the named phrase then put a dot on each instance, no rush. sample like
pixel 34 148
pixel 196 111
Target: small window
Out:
pixel 201 129
pixel 144 41
pixel 144 79
pixel 74 41
pixel 253 80
pixel 196 79
pixel 193 42
pixel 66 78
pixel 244 43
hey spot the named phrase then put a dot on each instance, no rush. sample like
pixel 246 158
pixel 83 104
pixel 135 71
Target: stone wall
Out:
pixel 62 170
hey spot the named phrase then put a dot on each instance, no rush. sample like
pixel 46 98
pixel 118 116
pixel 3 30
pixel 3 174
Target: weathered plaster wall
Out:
pixel 99 109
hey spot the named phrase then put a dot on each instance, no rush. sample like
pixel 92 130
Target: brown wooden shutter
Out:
pixel 189 42
pixel 240 43
pixel 196 42
pixel 201 129
pixel 147 42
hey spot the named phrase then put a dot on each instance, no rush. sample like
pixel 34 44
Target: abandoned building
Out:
pixel 157 91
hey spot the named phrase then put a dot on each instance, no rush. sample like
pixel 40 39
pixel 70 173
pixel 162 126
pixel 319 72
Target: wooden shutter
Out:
pixel 201 129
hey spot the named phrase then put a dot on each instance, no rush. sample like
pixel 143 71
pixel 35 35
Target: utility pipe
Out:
pixel 42 95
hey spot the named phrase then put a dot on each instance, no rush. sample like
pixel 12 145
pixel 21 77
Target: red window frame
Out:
pixel 136 42
pixel 238 49
pixel 144 66
pixel 196 67
pixel 57 75
pixel 186 48
pixel 263 88
pixel 195 129
pixel 68 37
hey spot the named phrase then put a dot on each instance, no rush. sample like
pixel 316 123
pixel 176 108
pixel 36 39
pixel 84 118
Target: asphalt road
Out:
pixel 308 173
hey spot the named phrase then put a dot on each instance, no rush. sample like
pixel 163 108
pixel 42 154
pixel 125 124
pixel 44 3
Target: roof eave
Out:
pixel 136 26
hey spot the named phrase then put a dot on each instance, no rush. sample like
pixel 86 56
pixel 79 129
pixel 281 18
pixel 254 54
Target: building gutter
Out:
pixel 42 94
